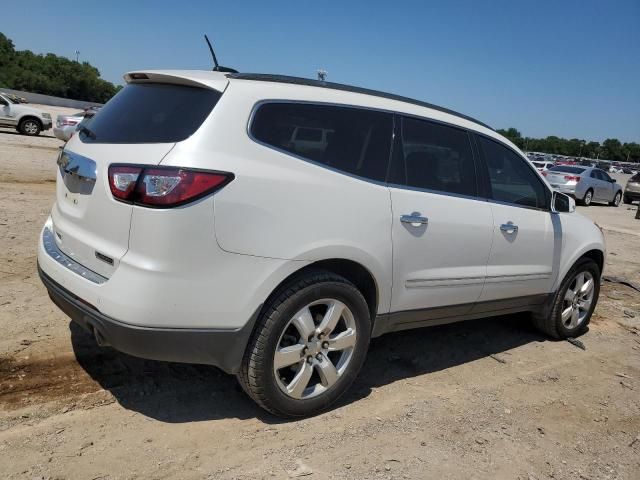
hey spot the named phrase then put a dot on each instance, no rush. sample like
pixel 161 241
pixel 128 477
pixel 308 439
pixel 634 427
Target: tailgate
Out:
pixel 139 126
pixel 88 224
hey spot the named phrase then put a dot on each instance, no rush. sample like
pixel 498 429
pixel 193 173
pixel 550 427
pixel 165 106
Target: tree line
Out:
pixel 51 75
pixel 610 149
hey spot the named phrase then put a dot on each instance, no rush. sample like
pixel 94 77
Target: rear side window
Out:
pixel 434 157
pixel 349 139
pixel 151 113
pixel 510 178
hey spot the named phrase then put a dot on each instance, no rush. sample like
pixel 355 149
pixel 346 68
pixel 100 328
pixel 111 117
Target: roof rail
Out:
pixel 266 77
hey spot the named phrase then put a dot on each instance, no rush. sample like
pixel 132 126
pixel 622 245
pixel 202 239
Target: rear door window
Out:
pixel 151 113
pixel 349 139
pixel 435 157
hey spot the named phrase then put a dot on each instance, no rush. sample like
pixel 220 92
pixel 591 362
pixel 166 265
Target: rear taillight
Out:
pixel 544 173
pixel 69 122
pixel 570 178
pixel 163 187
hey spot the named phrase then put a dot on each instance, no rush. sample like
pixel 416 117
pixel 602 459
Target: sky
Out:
pixel 569 68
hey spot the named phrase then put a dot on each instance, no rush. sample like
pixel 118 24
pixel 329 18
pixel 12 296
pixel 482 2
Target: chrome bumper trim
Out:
pixel 50 246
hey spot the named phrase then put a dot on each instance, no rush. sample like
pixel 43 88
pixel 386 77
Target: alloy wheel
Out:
pixel 587 198
pixel 30 127
pixel 315 349
pixel 616 199
pixel 577 300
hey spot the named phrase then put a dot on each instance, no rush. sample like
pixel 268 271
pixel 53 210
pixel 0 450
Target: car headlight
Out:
pixel 46 115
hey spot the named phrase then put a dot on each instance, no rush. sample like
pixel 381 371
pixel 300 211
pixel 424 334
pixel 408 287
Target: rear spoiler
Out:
pixel 192 78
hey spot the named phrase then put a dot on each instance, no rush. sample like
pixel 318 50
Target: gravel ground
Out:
pixel 485 399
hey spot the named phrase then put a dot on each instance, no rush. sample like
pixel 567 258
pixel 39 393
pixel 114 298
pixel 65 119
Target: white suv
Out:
pixel 27 120
pixel 190 227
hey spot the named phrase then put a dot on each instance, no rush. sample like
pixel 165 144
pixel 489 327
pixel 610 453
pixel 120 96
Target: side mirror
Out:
pixel 561 203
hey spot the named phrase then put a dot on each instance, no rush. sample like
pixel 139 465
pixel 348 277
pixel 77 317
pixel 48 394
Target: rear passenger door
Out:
pixel 441 230
pixel 521 262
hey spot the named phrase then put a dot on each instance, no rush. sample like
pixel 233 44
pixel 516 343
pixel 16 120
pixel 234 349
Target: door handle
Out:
pixel 415 219
pixel 509 228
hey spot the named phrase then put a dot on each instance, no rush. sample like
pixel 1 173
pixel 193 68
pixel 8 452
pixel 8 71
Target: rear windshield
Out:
pixel 567 169
pixel 635 178
pixel 151 113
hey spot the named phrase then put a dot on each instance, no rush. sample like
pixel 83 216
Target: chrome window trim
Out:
pixel 50 246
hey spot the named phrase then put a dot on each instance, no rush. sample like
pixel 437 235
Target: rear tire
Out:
pixel 616 200
pixel 573 303
pixel 29 126
pixel 588 198
pixel 293 332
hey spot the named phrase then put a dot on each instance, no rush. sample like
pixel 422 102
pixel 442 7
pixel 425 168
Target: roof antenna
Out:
pixel 322 75
pixel 217 68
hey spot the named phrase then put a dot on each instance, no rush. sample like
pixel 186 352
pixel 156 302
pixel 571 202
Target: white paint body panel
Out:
pixel 445 261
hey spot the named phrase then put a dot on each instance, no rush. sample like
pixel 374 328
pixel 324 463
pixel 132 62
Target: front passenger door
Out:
pixel 521 261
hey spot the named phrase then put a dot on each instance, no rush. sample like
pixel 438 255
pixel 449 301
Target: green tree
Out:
pixel 51 75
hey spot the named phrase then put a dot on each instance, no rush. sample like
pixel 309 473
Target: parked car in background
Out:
pixel 191 225
pixel 632 189
pixel 66 125
pixel 543 166
pixel 585 184
pixel 27 120
pixel 15 98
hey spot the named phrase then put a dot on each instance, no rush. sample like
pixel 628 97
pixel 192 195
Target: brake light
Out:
pixel 68 121
pixel 570 178
pixel 544 174
pixel 163 187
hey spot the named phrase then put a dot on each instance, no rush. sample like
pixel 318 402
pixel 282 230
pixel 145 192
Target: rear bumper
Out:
pixel 219 347
pixel 632 195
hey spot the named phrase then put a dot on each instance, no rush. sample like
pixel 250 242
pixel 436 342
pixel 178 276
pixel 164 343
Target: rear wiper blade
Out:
pixel 87 131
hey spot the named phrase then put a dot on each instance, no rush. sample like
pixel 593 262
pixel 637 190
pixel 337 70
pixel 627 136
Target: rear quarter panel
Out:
pixel 282 207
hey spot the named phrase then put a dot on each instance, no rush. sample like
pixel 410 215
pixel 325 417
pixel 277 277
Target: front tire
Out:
pixel 616 200
pixel 308 346
pixel 29 126
pixel 573 303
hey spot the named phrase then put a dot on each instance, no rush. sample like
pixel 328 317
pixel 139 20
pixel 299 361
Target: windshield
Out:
pixel 567 169
pixel 7 98
pixel 152 113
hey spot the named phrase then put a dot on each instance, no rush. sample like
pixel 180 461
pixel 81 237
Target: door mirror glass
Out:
pixel 561 203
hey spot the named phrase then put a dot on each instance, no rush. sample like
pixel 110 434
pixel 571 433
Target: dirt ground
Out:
pixel 485 399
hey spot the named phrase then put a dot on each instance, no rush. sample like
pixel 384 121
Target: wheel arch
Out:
pixel 30 116
pixel 353 271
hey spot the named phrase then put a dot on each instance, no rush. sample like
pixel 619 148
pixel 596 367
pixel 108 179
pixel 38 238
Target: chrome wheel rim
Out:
pixel 616 200
pixel 587 198
pixel 315 349
pixel 30 127
pixel 577 300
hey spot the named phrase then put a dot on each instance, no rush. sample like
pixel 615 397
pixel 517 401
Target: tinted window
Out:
pixel 511 179
pixel 605 176
pixel 434 157
pixel 152 113
pixel 635 178
pixel 567 169
pixel 353 140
